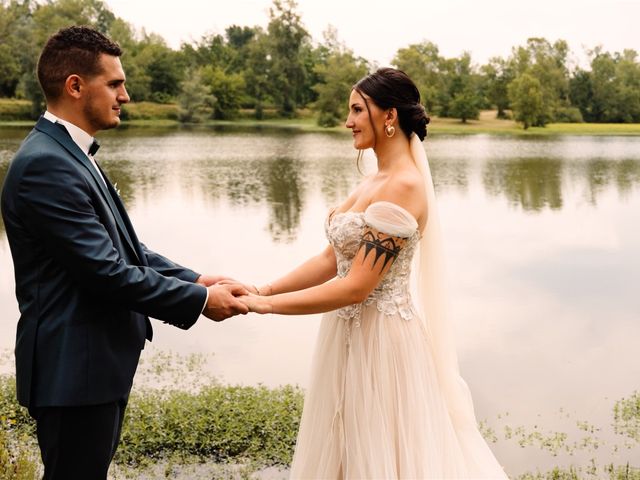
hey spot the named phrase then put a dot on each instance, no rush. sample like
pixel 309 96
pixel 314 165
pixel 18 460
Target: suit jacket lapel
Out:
pixel 64 139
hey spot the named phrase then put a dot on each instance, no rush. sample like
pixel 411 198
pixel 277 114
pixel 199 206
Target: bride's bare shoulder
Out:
pixel 405 189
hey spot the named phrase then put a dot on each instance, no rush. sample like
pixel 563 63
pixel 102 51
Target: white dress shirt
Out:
pixel 79 137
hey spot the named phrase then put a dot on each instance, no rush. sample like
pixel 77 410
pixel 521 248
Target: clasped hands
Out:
pixel 228 297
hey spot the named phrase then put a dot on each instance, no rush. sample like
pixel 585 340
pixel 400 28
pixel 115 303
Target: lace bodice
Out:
pixel 344 231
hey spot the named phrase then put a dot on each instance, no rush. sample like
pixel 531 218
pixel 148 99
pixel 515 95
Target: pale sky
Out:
pixel 376 29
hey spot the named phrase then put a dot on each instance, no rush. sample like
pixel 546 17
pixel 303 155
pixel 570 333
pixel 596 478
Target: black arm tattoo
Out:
pixel 383 245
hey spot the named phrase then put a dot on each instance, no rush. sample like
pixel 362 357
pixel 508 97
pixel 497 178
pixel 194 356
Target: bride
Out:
pixel 386 399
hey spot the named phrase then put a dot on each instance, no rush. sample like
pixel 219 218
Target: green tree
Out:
pixel 339 71
pixel 496 76
pixel 227 90
pixel 194 100
pixel 465 105
pixel 461 96
pixel 154 71
pixel 258 72
pixel 448 87
pixel 422 62
pixel 527 100
pixel 615 83
pixel 547 63
pixel 581 93
pixel 287 41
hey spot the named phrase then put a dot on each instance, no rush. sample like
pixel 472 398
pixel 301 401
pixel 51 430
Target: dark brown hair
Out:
pixel 392 88
pixel 73 50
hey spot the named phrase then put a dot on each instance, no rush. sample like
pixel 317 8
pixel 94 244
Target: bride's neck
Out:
pixel 390 152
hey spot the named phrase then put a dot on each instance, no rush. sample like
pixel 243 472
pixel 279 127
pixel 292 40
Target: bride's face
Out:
pixel 362 117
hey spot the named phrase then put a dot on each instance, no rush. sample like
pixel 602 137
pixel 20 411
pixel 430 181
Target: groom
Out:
pixel 85 284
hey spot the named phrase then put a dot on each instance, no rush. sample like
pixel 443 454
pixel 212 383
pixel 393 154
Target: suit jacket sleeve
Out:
pixel 58 203
pixel 166 267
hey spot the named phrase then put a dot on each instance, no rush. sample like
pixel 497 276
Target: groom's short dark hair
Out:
pixel 73 50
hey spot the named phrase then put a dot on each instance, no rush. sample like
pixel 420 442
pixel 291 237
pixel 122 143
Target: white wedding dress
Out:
pixel 385 399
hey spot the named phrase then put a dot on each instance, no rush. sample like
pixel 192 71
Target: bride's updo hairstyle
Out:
pixel 391 88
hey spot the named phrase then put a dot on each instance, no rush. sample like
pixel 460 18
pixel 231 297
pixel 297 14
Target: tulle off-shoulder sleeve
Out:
pixel 390 219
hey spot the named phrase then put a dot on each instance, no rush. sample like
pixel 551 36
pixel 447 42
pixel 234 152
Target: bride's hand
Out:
pixel 256 303
pixel 250 288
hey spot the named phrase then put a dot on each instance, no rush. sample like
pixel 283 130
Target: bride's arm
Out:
pixel 374 258
pixel 318 269
pixel 315 271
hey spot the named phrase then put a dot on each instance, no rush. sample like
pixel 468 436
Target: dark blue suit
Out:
pixel 84 283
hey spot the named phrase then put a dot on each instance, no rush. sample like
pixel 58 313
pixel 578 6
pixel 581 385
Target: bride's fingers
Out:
pixel 237 289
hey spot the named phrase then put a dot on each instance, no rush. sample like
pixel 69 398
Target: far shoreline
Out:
pixel 487 124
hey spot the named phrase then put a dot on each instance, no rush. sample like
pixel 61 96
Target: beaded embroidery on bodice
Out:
pixel 392 295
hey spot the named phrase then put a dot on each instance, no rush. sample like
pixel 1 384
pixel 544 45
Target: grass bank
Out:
pixel 182 423
pixel 16 113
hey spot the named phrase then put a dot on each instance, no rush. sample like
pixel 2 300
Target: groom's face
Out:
pixel 105 95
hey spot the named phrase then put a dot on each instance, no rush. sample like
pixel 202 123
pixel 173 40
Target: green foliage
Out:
pixel 626 415
pixel 288 43
pixel 422 62
pixel 17 461
pixel 149 111
pixel 448 87
pixel 17 455
pixel 496 76
pixel 257 75
pixel 12 109
pixel 610 92
pixel 465 105
pixel 195 100
pixel 568 115
pixel 218 422
pixel 225 89
pixel 249 67
pixel 337 74
pixel 526 96
pixel 545 62
pixel 13 417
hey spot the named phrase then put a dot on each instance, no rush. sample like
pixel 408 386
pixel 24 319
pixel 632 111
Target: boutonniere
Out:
pixel 115 187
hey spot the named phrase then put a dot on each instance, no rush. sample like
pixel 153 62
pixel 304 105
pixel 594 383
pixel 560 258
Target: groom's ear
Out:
pixel 73 86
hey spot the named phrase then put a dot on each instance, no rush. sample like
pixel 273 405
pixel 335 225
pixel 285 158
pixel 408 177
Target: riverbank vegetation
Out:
pixel 182 423
pixel 280 70
pixel 149 114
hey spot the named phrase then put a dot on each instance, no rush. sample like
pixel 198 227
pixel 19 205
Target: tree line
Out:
pixel 280 69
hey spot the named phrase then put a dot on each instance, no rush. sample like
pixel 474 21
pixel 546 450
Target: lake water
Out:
pixel 543 253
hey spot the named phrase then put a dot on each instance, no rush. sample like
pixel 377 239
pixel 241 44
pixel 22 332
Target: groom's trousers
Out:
pixel 78 443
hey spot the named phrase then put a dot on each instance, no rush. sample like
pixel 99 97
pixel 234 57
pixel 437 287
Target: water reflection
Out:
pixel 601 174
pixel 532 183
pixel 284 193
pixel 245 167
pixel 541 238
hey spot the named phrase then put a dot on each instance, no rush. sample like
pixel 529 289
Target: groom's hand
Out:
pixel 222 302
pixel 208 280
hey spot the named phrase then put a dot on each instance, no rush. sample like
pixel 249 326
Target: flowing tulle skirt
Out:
pixel 374 408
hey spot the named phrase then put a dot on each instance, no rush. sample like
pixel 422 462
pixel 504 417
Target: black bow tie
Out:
pixel 94 147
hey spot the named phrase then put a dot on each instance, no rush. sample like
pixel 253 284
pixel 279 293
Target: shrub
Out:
pixel 149 111
pixel 568 115
pixel 14 109
pixel 220 423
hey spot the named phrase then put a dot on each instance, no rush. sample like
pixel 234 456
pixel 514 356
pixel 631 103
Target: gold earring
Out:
pixel 389 130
